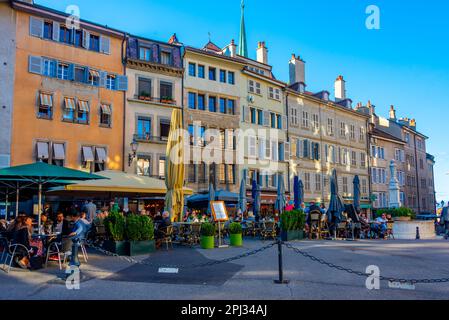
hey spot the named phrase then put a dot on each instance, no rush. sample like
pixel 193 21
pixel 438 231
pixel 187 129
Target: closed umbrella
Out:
pixel 242 194
pixel 211 198
pixel 356 183
pixel 280 200
pixel 174 168
pixel 256 198
pixel 336 205
pixel 296 193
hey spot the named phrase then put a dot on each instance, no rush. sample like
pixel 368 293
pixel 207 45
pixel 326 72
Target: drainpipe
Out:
pixel 368 161
pixel 125 35
pixel 417 174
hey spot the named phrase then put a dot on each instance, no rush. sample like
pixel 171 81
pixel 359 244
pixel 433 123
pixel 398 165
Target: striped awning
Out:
pixel 69 103
pixel 83 106
pixel 106 109
pixel 46 100
pixel 94 73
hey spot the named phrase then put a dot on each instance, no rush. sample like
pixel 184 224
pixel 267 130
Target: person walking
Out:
pixel 444 220
pixel 78 235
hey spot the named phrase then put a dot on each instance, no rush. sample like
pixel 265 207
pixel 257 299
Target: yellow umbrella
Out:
pixel 174 168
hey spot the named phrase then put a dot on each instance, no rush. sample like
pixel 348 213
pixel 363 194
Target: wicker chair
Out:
pixel 268 230
pixel 315 225
pixel 167 234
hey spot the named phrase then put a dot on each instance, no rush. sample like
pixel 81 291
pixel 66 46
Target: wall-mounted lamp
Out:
pixel 133 155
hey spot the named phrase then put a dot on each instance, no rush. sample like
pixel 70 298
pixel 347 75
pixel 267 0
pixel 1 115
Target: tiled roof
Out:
pixel 382 134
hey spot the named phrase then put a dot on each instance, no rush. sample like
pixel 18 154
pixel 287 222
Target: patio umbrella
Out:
pixel 41 174
pixel 356 183
pixel 297 193
pixel 174 168
pixel 211 198
pixel 336 205
pixel 280 199
pixel 242 194
pixel 256 198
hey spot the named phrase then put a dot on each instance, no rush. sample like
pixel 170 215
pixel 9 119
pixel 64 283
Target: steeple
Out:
pixel 243 46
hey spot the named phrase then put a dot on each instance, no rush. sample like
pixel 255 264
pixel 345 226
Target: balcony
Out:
pixel 163 100
pixel 149 138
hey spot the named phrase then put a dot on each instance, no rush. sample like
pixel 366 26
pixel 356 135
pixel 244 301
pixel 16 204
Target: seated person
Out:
pixel 165 222
pixel 380 225
pixel 78 235
pixel 3 226
pixel 46 224
pixel 312 208
pixel 22 235
pixel 193 218
pixel 204 218
pixel 239 217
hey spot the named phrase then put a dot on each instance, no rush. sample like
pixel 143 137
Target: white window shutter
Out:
pixel 103 76
pixel 266 118
pixel 56 30
pixel 122 83
pixel 247 115
pixel 284 123
pixel 105 45
pixel 36 27
pixel 86 39
pixel 35 65
pixel 287 151
pixel 262 149
pixel 298 148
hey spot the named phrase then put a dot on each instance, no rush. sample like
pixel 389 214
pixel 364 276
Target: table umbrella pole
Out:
pixel 39 205
pixel 17 200
pixel 6 205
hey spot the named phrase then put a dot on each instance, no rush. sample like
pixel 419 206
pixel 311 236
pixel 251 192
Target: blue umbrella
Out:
pixel 211 198
pixel 242 194
pixel 256 198
pixel 356 183
pixel 336 205
pixel 280 200
pixel 296 193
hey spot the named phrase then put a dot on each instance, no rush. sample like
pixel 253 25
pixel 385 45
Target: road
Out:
pixel 105 277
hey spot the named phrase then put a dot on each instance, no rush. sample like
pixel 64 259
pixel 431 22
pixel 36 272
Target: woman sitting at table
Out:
pixel 193 218
pixel 204 218
pixel 22 235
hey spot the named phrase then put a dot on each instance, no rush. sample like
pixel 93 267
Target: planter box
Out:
pixel 292 235
pixel 207 242
pixel 402 219
pixel 139 248
pixel 236 240
pixel 117 247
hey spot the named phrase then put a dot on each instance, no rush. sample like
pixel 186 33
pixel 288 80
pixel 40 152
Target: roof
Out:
pixel 212 47
pixel 214 54
pixel 384 135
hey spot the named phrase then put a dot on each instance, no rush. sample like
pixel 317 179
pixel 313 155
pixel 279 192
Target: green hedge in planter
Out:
pixel 396 213
pixel 292 225
pixel 115 226
pixel 140 235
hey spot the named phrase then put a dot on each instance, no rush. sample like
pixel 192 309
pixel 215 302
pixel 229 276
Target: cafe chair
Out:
pixel 54 249
pixel 167 235
pixel 315 225
pixel 268 230
pixel 4 244
pixel 13 251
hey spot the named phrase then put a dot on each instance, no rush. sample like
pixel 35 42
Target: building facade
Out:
pixel 68 91
pixel 155 72
pixel 326 135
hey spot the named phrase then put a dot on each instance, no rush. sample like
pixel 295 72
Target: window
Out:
pixel 144 128
pixel 352 132
pixel 399 155
pixel 364 187
pixel 83 112
pixel 307 181
pixel 192 100
pixel 162 167
pixel 421 164
pixel 63 71
pixel 191 171
pixel 212 74
pixel 345 185
pixel 407 137
pixel 258 88
pixel 223 76
pixel 144 88
pixel 69 109
pixel 145 54
pixel 330 127
pixel 201 71
pixel 305 119
pixel 213 104
pixel 231 107
pixel 221 171
pixel 143 165
pixel 65 35
pixel 166 58
pixel 231 77
pixel 202 176
pixel 94 43
pixel 231 173
pixel 94 77
pixel 362 134
pixel 260 117
pixel 251 87
pixel 192 69
pixel 294 116
pixel 252 146
pixel 279 121
pixel 87 155
pixel 274 151
pixel 58 155
pixel 166 91
pixel 315 151
pixel 318 182
pixel 362 160
pixel 274 93
pixel 105 115
pixel 100 159
pixel 80 74
pixel 110 82
pixel 164 129
pixel 315 122
pixel 342 130
pixel 222 105
pixel 353 158
pixel 253 115
pixel 78 38
pixel 45 106
pixel 42 151
pixel 201 102
pixel 48 30
pixel 273 120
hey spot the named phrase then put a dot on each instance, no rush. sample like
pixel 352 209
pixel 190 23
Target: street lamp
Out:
pixel 134 146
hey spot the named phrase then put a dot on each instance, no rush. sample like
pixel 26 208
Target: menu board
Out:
pixel 219 211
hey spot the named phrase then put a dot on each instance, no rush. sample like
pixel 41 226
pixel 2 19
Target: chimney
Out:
pixel 262 53
pixel 297 70
pixel 340 89
pixel 233 49
pixel 413 124
pixel 393 114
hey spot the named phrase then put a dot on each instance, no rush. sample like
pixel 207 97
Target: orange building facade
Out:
pixel 69 91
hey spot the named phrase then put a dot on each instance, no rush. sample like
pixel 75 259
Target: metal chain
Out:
pixel 362 274
pixel 180 266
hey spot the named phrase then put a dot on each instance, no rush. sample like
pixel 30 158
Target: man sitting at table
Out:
pixel 61 225
pixel 163 225
pixel 380 225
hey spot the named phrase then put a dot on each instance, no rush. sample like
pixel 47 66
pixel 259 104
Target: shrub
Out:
pixel 235 228
pixel 115 226
pixel 399 212
pixel 207 230
pixel 147 233
pixel 139 228
pixel 293 220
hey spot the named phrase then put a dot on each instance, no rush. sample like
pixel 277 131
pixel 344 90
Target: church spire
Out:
pixel 243 46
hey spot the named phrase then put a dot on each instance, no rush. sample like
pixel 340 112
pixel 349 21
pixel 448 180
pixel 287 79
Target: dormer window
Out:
pixel 166 58
pixel 145 54
pixel 325 96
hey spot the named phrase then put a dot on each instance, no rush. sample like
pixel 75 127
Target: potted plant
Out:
pixel 235 231
pixel 140 235
pixel 115 229
pixel 207 236
pixel 166 99
pixel 400 214
pixel 292 225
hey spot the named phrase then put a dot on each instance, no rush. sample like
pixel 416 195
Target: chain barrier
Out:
pixel 181 266
pixel 362 274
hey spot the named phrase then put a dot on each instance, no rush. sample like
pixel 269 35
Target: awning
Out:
pixel 69 103
pixel 101 154
pixel 121 183
pixel 58 151
pixel 46 100
pixel 106 109
pixel 42 150
pixel 83 105
pixel 88 155
pixel 94 73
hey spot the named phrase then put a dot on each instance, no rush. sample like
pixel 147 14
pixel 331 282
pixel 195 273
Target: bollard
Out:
pixel 418 237
pixel 281 271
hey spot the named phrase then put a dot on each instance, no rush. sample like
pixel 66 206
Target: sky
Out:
pixel 405 63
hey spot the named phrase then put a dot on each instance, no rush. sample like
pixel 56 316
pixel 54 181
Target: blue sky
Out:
pixel 405 63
